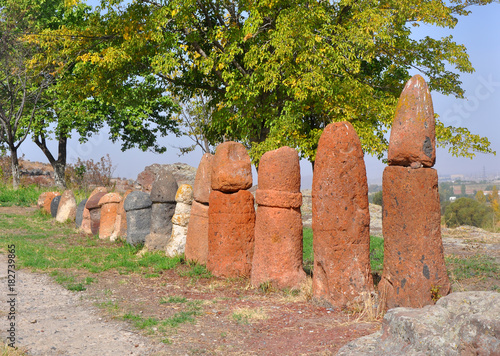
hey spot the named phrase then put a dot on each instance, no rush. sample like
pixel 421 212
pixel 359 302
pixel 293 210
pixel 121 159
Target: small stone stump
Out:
pixel 79 213
pixel 340 219
pixel 109 209
pixel 45 200
pixel 414 268
pixel 85 226
pixel 163 209
pixel 180 221
pixel 138 208
pixel 121 219
pixel 54 205
pixel 196 249
pixel 94 212
pixel 67 207
pixel 278 226
pixel 231 213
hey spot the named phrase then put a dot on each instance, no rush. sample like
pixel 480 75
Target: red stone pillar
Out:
pixel 278 227
pixel 197 233
pixel 341 218
pixel 231 213
pixel 414 268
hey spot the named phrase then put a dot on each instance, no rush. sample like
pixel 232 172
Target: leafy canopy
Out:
pixel 275 72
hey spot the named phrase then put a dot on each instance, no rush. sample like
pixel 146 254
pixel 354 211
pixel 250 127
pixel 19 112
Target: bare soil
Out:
pixel 232 319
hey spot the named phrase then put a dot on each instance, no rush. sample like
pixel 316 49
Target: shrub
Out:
pixel 87 173
pixel 467 211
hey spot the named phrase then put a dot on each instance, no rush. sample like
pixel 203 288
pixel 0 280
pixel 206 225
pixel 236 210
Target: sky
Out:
pixel 479 112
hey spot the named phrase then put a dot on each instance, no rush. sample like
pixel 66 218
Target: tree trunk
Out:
pixel 59 165
pixel 59 174
pixel 15 168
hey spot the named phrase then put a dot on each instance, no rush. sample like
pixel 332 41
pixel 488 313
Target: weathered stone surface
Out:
pixel 184 194
pixel 279 199
pixel 196 249
pixel 413 250
pixel 465 323
pixel 341 218
pixel 161 226
pixel 183 174
pixel 121 219
pixel 138 208
pixel 413 138
pixel 203 181
pixel 231 168
pixel 54 205
pixel 278 227
pixel 79 213
pixel 85 226
pixel 278 248
pixel 177 242
pixel 280 170
pixel 41 200
pixel 67 207
pixel 231 225
pixel 94 212
pixel 47 200
pixel 109 210
pixel 137 200
pixel 164 188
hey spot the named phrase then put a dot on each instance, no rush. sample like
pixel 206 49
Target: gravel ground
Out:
pixel 51 320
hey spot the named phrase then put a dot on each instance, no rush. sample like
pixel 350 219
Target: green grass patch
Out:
pixel 70 282
pixel 376 252
pixel 307 250
pixel 41 244
pixel 140 322
pixel 23 196
pixel 173 299
pixel 196 272
pixel 478 266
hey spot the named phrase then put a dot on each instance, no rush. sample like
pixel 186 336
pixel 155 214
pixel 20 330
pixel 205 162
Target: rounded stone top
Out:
pixel 231 168
pixel 137 200
pixel 93 201
pixel 413 133
pixel 110 198
pixel 184 194
pixel 203 180
pixel 280 170
pixel 98 190
pixel 164 188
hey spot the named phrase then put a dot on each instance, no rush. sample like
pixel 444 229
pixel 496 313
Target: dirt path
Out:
pixel 51 320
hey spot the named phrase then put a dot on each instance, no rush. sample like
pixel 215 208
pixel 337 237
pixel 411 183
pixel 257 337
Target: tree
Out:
pixel 21 87
pixel 377 198
pixel 467 211
pixel 480 197
pixel 275 72
pixel 136 112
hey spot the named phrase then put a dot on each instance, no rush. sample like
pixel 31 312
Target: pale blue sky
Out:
pixel 480 112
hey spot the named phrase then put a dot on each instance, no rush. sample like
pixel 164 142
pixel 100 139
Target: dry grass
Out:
pixel 247 315
pixel 367 308
pixel 9 351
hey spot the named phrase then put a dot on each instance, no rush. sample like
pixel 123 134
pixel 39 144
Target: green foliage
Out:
pixel 70 282
pixel 173 299
pixel 467 211
pixel 195 271
pixel 377 198
pixel 273 73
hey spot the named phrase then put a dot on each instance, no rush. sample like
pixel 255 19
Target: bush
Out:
pixel 467 211
pixel 377 198
pixel 86 174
